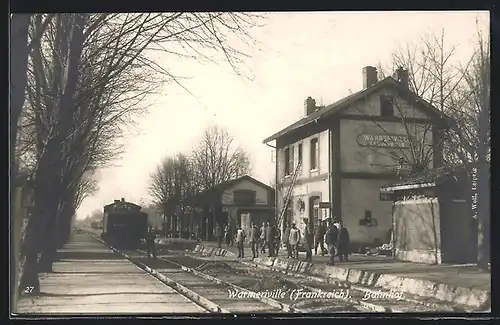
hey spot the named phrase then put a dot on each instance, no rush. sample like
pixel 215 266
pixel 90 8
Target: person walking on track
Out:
pixel 331 241
pixel 240 242
pixel 150 244
pixel 294 240
pixel 254 240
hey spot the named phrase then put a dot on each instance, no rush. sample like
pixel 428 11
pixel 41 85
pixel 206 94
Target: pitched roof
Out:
pixel 343 103
pixel 428 178
pixel 221 187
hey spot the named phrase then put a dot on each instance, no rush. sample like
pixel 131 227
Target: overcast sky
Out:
pixel 299 55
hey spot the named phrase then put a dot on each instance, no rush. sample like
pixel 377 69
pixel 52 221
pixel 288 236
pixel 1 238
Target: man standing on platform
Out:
pixel 262 239
pixel 254 240
pixel 331 240
pixel 308 240
pixel 343 243
pixel 270 239
pixel 294 240
pixel 218 234
pixel 319 238
pixel 240 242
pixel 286 241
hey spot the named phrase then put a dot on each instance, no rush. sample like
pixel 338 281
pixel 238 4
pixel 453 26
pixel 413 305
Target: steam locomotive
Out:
pixel 124 224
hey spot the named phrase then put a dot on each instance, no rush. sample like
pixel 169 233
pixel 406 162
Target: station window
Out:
pixel 286 161
pixel 386 106
pixel 314 154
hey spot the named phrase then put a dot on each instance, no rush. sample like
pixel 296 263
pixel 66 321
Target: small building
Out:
pixel 348 149
pixel 239 201
pixel 432 217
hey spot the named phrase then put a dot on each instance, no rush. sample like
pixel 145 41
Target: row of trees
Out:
pixel 215 159
pixel 462 92
pixel 77 82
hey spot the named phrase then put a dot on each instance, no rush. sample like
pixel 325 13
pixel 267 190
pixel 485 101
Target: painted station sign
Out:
pixel 383 140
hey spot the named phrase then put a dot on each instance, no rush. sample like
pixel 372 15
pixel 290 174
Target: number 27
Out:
pixel 28 289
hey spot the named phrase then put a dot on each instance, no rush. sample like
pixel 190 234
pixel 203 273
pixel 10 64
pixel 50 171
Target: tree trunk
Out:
pixel 55 147
pixel 29 250
pixel 484 216
pixel 19 26
pixel 49 247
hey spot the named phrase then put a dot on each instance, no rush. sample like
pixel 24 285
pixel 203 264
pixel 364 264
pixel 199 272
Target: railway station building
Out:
pixel 240 201
pixel 333 161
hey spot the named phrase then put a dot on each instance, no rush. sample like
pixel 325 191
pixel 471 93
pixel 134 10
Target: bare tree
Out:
pixel 218 159
pixel 107 48
pixel 172 184
pixel 476 100
pixel 462 92
pixel 177 179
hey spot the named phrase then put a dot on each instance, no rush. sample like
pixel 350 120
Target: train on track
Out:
pixel 124 224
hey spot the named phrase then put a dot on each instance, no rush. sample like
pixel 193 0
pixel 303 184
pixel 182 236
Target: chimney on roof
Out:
pixel 401 75
pixel 309 105
pixel 370 76
pixel 117 201
pixel 123 200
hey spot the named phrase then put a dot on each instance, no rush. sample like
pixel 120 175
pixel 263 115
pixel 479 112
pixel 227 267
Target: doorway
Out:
pixel 314 212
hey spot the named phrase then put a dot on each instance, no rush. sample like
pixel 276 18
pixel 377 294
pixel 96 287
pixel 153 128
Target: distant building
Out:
pixel 348 150
pixel 239 201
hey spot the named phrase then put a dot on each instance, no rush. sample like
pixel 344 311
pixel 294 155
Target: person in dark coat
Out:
pixel 218 234
pixel 343 242
pixel 286 241
pixel 150 243
pixel 276 241
pixel 308 240
pixel 319 238
pixel 270 239
pixel 254 240
pixel 331 241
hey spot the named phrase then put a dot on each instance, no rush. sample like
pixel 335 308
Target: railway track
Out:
pixel 228 286
pixel 365 298
pixel 290 297
pixel 209 292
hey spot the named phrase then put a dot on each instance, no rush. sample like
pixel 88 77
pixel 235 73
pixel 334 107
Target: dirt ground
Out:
pixel 253 283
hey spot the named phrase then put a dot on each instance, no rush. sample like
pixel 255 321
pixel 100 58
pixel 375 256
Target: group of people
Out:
pixel 334 235
pixel 327 233
pixel 261 238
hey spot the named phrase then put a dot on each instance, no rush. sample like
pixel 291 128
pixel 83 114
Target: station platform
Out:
pixel 90 278
pixel 465 284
